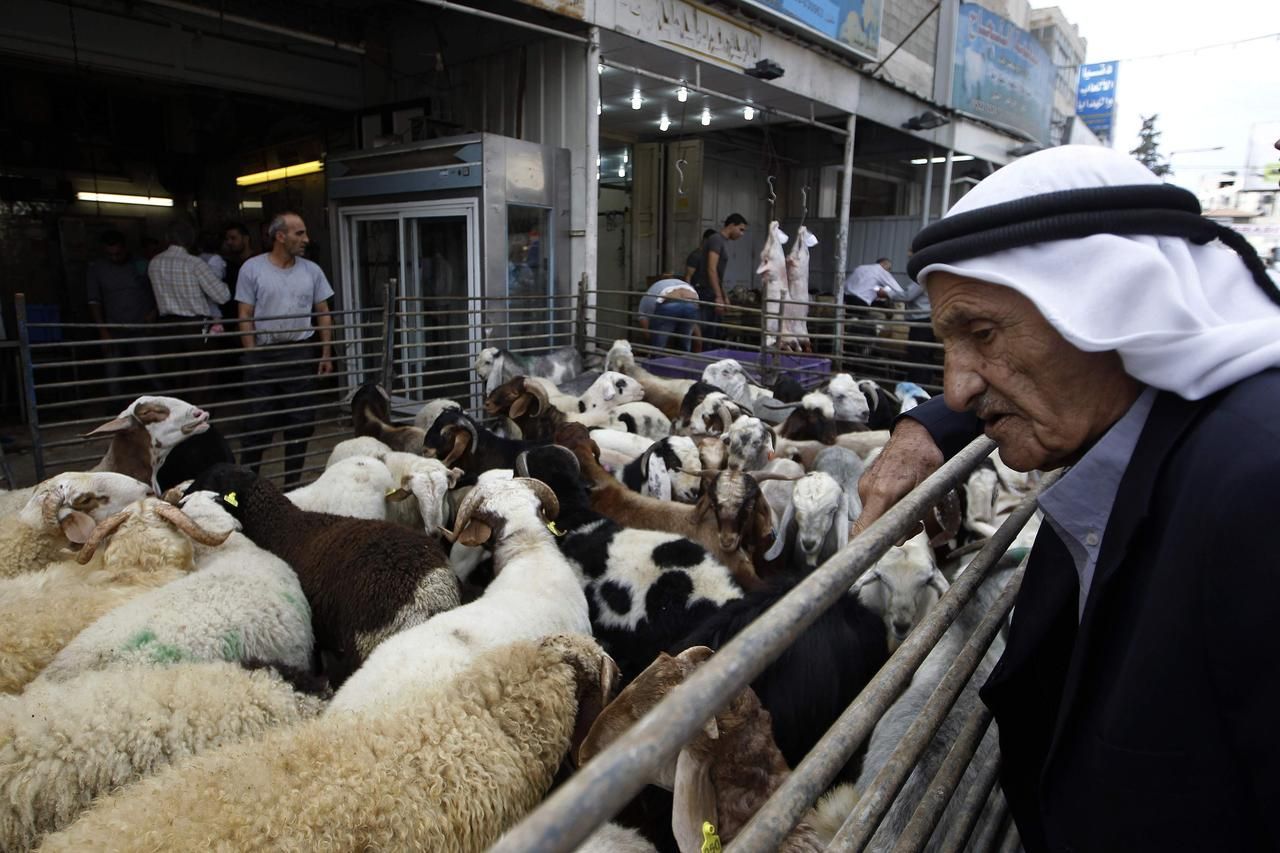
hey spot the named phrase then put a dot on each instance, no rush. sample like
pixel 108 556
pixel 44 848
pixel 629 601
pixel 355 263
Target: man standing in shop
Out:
pixel 187 290
pixel 120 295
pixel 277 292
pixel 709 277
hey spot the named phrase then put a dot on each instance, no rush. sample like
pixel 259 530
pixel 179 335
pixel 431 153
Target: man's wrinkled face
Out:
pixel 1041 399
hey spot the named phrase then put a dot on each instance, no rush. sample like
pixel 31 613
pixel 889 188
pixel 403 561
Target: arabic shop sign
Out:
pixel 851 24
pixel 1002 73
pixel 1096 97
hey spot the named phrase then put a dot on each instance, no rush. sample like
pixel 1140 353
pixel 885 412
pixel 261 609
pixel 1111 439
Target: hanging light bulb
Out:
pixel 622 170
pixel 706 116
pixel 600 68
pixel 748 112
pixel 599 107
pixel 626 157
pixel 682 94
pixel 635 100
pixel 664 123
pixel 598 159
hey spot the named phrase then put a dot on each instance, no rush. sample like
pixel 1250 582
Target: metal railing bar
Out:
pixel 997 815
pixel 599 789
pixel 814 774
pixel 1012 842
pixel 970 808
pixel 874 803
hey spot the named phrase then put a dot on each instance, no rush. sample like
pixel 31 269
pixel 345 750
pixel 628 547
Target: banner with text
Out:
pixel 1002 73
pixel 1096 97
pixel 852 24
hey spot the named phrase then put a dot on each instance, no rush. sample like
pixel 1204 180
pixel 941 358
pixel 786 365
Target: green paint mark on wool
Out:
pixel 140 639
pixel 167 653
pixel 232 646
pixel 299 604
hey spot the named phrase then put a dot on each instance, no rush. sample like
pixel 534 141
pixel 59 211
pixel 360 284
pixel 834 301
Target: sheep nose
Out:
pixel 901 627
pixel 622 386
pixel 809 544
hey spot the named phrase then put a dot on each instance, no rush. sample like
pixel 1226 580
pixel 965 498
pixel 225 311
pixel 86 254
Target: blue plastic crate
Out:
pixel 44 314
pixel 809 370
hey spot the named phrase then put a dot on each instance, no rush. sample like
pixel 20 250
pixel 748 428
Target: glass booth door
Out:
pixel 429 255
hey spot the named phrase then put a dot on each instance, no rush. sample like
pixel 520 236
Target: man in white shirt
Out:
pixel 277 292
pixel 187 291
pixel 870 282
pixel 866 284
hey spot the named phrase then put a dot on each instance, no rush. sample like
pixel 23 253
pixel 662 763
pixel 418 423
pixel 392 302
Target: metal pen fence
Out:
pixel 422 348
pixel 887 344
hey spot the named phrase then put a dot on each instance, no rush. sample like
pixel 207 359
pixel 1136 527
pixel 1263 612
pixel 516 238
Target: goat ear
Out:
pixel 592 700
pixel 495 375
pixel 762 517
pixel 702 507
pixel 784 526
pixel 939 582
pixel 520 406
pixel 864 580
pixel 150 413
pixel 112 427
pixel 475 534
pixel 455 474
pixel 461 441
pixel 77 526
pixel 401 494
pixel 694 800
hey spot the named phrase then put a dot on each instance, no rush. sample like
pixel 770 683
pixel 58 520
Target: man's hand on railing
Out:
pixel 908 458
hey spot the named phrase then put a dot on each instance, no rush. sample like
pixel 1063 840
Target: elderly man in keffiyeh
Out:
pixel 1093 320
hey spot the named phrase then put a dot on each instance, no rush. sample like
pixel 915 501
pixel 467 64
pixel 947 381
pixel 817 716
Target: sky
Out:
pixel 1204 99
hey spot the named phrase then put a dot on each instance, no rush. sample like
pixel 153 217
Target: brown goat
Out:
pixel 526 404
pixel 724 775
pixel 740 520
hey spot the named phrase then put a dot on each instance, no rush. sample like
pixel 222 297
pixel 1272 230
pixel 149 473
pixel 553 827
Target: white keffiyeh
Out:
pixel 1184 318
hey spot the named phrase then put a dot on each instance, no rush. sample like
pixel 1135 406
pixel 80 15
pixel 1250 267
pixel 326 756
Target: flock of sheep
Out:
pixel 409 652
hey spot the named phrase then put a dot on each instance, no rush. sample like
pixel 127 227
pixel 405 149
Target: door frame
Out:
pixel 347 218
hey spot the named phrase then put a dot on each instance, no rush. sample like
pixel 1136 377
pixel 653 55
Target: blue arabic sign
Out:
pixel 853 24
pixel 1002 73
pixel 1096 97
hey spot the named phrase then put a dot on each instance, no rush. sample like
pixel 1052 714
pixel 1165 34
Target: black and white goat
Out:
pixel 645 589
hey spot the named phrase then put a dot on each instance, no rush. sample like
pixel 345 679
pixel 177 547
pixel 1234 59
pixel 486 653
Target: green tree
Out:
pixel 1148 150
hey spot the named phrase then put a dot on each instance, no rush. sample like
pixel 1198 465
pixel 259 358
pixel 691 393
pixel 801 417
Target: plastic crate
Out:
pixel 44 314
pixel 808 370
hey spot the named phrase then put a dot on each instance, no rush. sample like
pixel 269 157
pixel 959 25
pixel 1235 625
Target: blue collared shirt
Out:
pixel 1079 504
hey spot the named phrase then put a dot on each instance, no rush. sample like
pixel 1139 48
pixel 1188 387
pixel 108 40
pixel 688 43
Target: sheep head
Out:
pixel 76 502
pixel 751 443
pixel 848 399
pixel 143 509
pixel 532 402
pixel 813 420
pixel 620 357
pixel 901 587
pixel 609 391
pixel 816 506
pixel 493 504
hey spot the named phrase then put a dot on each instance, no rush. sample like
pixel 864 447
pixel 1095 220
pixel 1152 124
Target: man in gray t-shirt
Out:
pixel 278 291
pixel 709 276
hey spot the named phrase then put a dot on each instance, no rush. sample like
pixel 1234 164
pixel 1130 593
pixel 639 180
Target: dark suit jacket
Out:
pixel 1155 723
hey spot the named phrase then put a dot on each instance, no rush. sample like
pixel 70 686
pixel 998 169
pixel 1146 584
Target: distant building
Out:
pixel 1061 39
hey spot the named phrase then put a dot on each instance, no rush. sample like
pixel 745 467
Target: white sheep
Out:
pixel 143 435
pixel 849 400
pixel 64 744
pixel 242 603
pixel 534 594
pixel 619 449
pixel 901 587
pixel 62 510
pixel 714 415
pixel 357 487
pixel 449 768
pixel 664 393
pixel 750 444
pixel 40 612
pixel 640 418
pixel 609 391
pixel 670 469
pixel 730 377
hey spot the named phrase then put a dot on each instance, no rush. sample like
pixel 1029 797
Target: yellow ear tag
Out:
pixel 230 497
pixel 555 531
pixel 391 492
pixel 710 841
